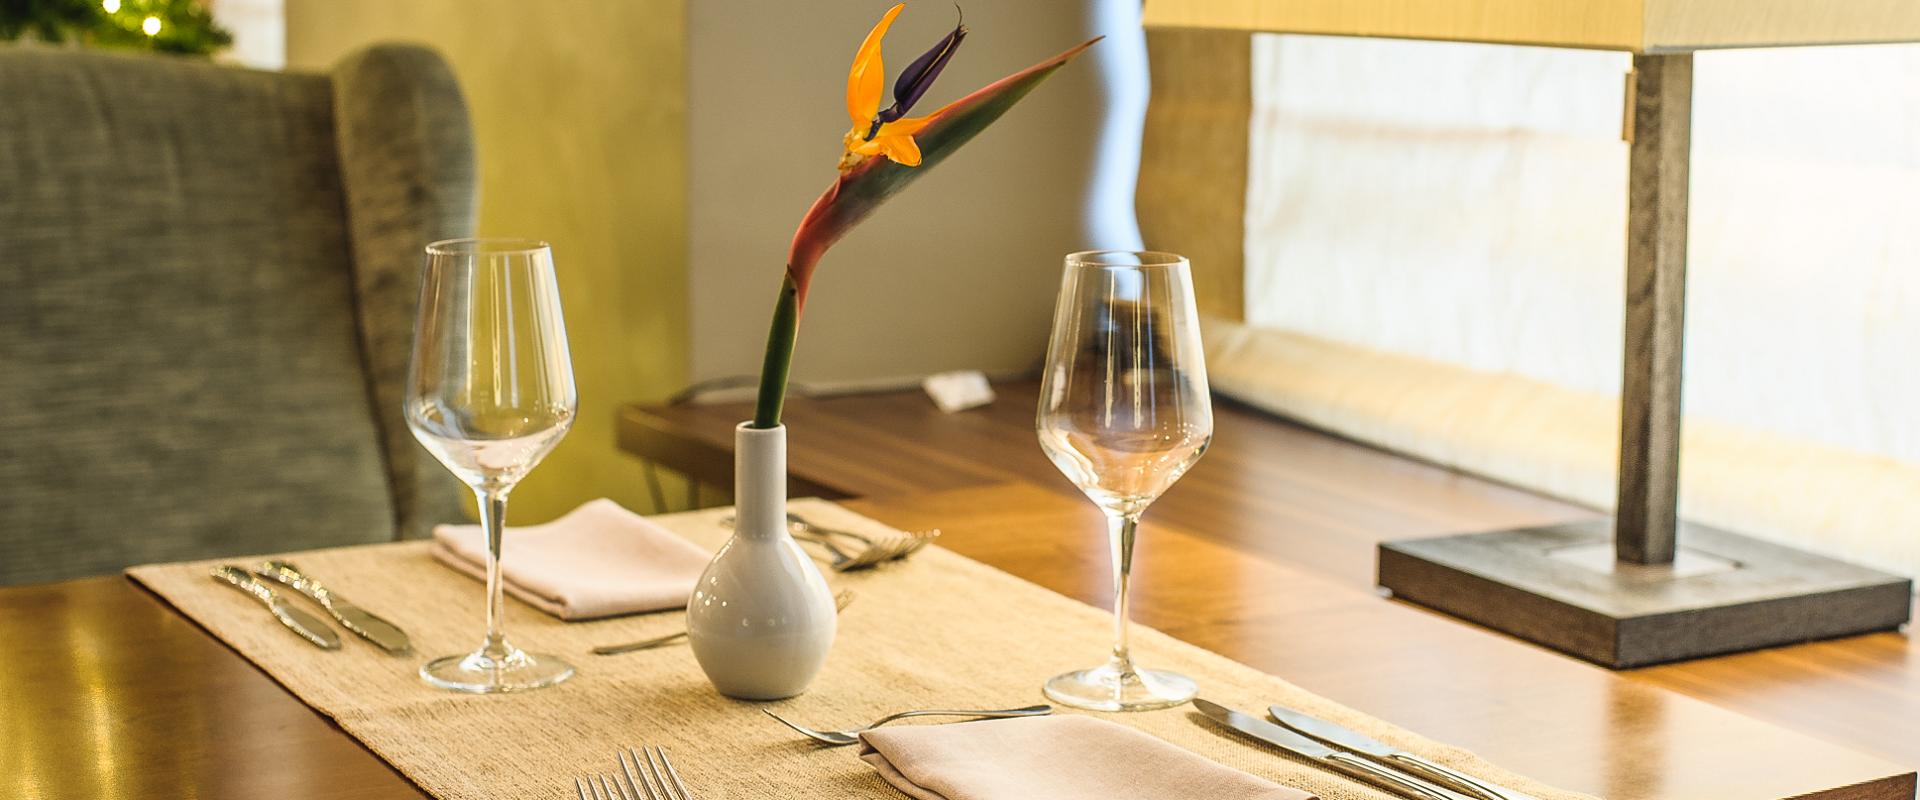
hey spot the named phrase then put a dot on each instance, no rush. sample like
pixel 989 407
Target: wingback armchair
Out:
pixel 207 284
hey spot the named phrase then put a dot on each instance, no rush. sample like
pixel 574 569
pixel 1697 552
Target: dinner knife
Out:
pixel 1337 760
pixel 1392 756
pixel 362 622
pixel 307 625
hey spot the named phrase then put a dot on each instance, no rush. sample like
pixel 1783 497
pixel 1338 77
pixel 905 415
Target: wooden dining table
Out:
pixel 1276 490
pixel 1284 492
pixel 107 692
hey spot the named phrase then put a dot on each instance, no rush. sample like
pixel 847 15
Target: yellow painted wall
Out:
pixel 599 170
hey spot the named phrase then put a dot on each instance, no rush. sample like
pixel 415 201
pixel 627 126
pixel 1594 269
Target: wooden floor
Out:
pixel 1298 497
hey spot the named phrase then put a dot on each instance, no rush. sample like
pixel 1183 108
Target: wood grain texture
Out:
pixel 1555 719
pixel 1283 493
pixel 106 692
pixel 1657 163
pixel 1730 593
pixel 1684 25
pixel 110 694
pixel 1605 24
pixel 1274 489
pixel 1192 195
pixel 1645 26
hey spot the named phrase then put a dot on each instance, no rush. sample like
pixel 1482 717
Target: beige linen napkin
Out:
pixel 600 560
pixel 1061 757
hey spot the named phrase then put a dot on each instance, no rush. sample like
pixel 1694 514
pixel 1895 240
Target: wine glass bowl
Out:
pixel 489 393
pixel 1124 412
pixel 1126 471
pixel 480 450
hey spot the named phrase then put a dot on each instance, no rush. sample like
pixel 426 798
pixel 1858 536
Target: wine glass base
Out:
pixel 1121 688
pixel 481 673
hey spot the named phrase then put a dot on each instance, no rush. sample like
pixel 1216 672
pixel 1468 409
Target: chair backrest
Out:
pixel 207 283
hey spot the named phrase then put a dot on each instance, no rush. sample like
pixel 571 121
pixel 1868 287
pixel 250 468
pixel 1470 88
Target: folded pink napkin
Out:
pixel 600 560
pixel 1059 757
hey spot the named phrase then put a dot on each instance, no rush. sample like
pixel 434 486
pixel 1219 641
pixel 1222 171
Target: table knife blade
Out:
pixel 1341 761
pixel 307 625
pixel 1349 739
pixel 370 627
pixel 361 622
pixel 300 622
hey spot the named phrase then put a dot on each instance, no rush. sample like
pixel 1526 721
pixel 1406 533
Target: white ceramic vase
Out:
pixel 761 619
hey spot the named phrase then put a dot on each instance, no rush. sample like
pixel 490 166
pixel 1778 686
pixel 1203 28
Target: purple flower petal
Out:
pixel 918 77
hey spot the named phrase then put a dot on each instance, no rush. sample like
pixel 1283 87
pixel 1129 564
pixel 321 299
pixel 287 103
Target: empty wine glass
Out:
pixel 1124 412
pixel 489 393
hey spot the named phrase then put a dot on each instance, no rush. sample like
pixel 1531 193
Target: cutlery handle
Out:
pixel 836 558
pixel 1399 784
pixel 644 644
pixel 288 575
pixel 797 520
pixel 1458 779
pixel 996 713
pixel 244 581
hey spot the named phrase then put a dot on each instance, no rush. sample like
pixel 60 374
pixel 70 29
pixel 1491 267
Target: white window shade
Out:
pixel 1455 213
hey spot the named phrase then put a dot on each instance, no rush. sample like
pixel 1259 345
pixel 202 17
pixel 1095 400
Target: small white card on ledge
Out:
pixel 958 391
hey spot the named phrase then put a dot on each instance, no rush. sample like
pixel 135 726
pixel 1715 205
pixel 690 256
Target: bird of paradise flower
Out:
pixel 883 152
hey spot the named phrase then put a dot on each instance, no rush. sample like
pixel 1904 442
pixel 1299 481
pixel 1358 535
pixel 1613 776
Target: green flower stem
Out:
pixel 779 362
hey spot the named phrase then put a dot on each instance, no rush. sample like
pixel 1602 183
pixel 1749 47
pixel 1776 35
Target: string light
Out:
pixel 112 6
pixel 151 25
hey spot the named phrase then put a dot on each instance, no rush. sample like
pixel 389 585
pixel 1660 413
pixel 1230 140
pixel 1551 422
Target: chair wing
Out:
pixel 195 358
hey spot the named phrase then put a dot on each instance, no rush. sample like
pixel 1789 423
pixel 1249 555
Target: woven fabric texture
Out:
pixel 936 631
pixel 407 169
pixel 205 274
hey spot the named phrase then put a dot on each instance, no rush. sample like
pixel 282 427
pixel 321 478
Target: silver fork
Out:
pixel 878 549
pixel 875 550
pixel 916 539
pixel 840 601
pixel 842 561
pixel 852 735
pixel 649 775
pixel 600 787
pixel 655 776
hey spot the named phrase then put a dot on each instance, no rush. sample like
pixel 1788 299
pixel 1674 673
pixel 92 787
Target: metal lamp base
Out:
pixel 1561 587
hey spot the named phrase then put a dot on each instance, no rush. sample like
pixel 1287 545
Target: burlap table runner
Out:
pixel 938 630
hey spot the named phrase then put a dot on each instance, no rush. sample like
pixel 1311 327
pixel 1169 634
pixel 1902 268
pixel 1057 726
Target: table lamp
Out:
pixel 1644 587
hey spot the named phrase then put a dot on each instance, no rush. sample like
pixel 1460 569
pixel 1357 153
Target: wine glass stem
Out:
pixel 1121 528
pixel 493 517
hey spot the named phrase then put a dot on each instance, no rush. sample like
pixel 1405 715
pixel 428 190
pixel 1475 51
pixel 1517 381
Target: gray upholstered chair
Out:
pixel 207 283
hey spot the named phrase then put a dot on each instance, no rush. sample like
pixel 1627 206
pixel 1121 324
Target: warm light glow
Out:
pixel 151 25
pixel 112 6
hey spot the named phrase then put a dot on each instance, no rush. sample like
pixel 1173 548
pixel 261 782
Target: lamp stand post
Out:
pixel 1646 587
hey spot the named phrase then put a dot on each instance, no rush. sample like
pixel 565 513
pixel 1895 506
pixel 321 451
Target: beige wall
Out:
pixel 586 138
pixel 960 271
pixel 580 120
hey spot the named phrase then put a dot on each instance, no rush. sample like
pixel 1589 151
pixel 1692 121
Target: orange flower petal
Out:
pixel 901 149
pixel 907 126
pixel 912 125
pixel 867 81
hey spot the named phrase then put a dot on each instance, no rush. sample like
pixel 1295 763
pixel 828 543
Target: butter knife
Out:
pixel 1392 756
pixel 362 622
pixel 307 625
pixel 1339 761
